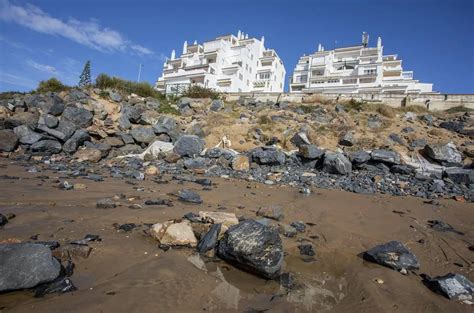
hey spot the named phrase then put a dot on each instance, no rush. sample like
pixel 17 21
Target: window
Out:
pixel 250 70
pixel 251 56
pixel 265 75
pixel 241 76
pixel 246 67
pixel 248 83
pixel 371 71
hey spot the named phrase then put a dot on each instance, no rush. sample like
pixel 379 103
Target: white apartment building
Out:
pixel 355 69
pixel 230 63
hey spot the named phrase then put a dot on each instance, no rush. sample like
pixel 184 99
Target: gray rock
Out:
pixel 311 152
pixel 300 139
pixel 252 247
pixel 359 158
pixel 445 154
pixel 394 255
pixel 77 139
pixel 26 135
pixel 143 134
pixel 452 286
pixel 105 203
pixel 209 240
pixel 189 145
pixel 133 113
pixel 386 156
pixel 189 196
pixel 287 230
pixel 50 120
pixel 274 212
pixel 460 175
pixel 340 108
pixel 184 102
pixel 23 118
pixel 79 116
pixel 115 96
pixel 8 140
pixel 46 147
pixel 397 139
pixel 152 103
pixel 299 226
pixel 57 108
pixel 347 139
pixel 402 170
pixel 63 131
pixel 25 265
pixel 124 122
pixel 306 249
pixel 418 143
pixel 217 105
pixel 374 122
pixel 268 156
pixel 336 163
pixel 195 163
pixel 150 117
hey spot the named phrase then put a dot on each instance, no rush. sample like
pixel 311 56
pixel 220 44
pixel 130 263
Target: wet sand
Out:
pixel 127 272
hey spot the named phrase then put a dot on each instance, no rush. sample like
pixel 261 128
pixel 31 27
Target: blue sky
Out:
pixel 44 38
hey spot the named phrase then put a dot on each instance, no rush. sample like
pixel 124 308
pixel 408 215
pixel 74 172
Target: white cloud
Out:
pixel 88 33
pixel 42 67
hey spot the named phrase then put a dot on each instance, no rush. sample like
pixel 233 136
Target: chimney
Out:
pixel 379 42
pixel 173 54
pixel 320 47
pixel 185 47
pixel 365 39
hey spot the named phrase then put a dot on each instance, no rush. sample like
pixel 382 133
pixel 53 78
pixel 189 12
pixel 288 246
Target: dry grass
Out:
pixel 317 99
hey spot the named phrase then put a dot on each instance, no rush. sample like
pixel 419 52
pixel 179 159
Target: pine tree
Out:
pixel 85 78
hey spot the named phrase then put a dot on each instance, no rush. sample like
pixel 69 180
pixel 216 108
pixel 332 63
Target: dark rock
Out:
pixel 306 249
pixel 252 247
pixel 115 96
pixel 152 103
pixel 189 196
pixel 311 152
pixel 189 145
pixel 124 122
pixel 125 227
pixel 3 220
pixel 287 230
pixel 459 175
pixel 386 156
pixel 57 108
pixel 299 226
pixel 166 202
pixel 454 126
pixel 60 285
pixel 143 134
pixel 339 108
pixel 8 140
pixel 336 163
pixel 394 255
pixel 442 227
pixel 428 119
pixel 274 212
pixel 215 153
pixel 300 139
pixel 445 154
pixel 26 265
pixel 132 113
pixel 209 240
pixel 408 130
pixel 374 121
pixel 77 139
pixel 397 139
pixel 105 203
pixel 184 102
pixel 268 156
pixel 402 170
pixel 418 143
pixel 46 147
pixel 79 116
pixel 217 105
pixel 149 117
pixel 452 286
pixel 347 139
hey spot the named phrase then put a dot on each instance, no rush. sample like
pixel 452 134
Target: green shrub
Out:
pixel 355 105
pixel 143 89
pixel 308 109
pixel 263 120
pixel 104 94
pixel 196 91
pixel 167 108
pixel 51 85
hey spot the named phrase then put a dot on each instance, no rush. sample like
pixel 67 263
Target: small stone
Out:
pixel 299 226
pixel 151 170
pixel 189 196
pixel 306 249
pixel 274 212
pixel 287 230
pixel 241 163
pixel 106 203
pixel 452 286
pixel 393 255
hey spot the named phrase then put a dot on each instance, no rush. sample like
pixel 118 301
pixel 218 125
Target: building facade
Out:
pixel 355 69
pixel 230 63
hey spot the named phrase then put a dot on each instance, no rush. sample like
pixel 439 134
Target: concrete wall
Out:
pixel 437 102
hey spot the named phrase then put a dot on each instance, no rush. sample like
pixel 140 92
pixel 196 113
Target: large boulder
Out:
pixel 150 117
pixel 23 118
pixel 46 147
pixel 26 265
pixel 79 116
pixel 26 135
pixel 300 139
pixel 444 154
pixel 143 134
pixel 385 156
pixel 63 131
pixel 394 255
pixel 132 113
pixel 8 140
pixel 311 152
pixel 347 139
pixel 359 158
pixel 268 156
pixel 253 247
pixel 174 234
pixel 189 145
pixel 460 175
pixel 217 105
pixel 77 139
pixel 336 163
